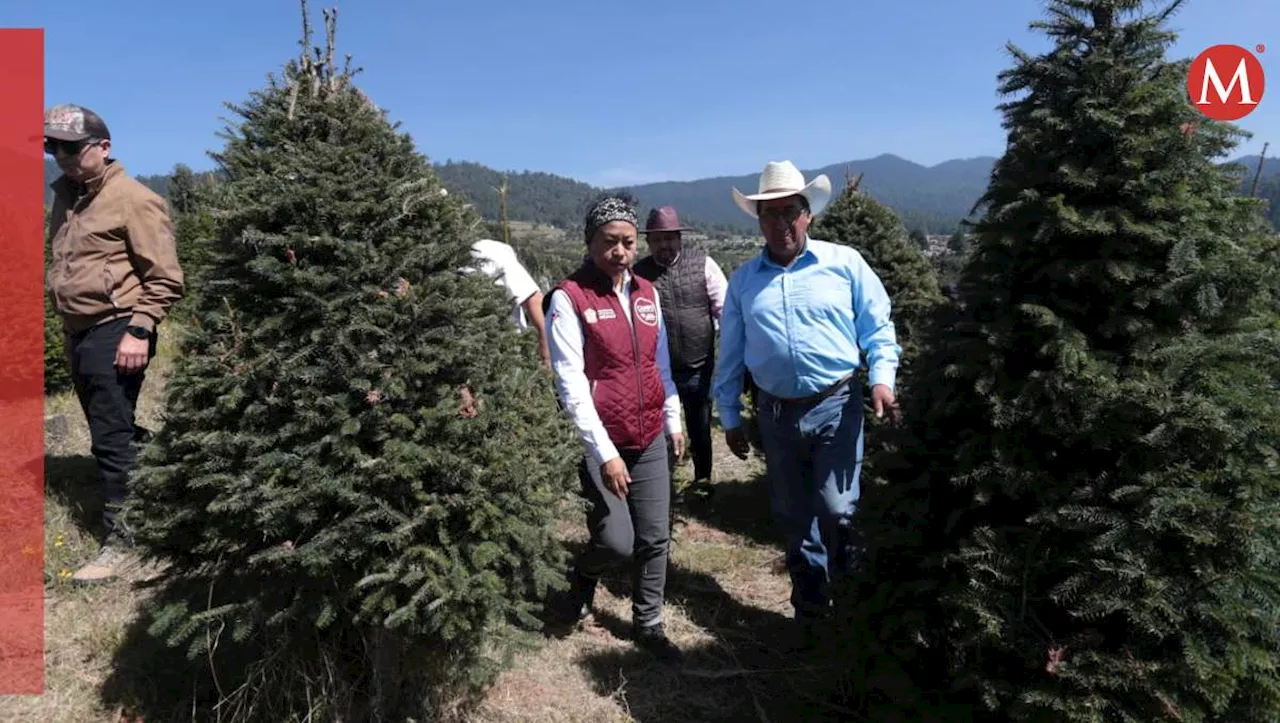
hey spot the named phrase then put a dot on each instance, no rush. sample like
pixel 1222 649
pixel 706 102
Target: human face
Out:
pixel 613 248
pixel 784 223
pixel 665 246
pixel 79 160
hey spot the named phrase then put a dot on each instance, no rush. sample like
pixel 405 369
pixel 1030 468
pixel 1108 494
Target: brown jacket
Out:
pixel 114 253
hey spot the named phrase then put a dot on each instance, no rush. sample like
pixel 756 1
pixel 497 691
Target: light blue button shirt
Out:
pixel 802 328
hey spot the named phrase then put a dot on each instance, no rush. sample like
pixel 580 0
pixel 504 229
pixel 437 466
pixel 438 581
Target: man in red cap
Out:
pixel 692 288
pixel 113 277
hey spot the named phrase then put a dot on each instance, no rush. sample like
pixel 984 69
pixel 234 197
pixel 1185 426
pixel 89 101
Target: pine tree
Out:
pixel 356 485
pixel 191 205
pixel 57 372
pixel 1086 524
pixel 856 220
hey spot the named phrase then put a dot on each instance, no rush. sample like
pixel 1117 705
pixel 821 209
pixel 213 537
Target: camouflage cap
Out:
pixel 74 123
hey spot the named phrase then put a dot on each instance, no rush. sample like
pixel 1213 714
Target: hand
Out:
pixel 677 441
pixel 616 478
pixel 882 399
pixel 736 438
pixel 132 354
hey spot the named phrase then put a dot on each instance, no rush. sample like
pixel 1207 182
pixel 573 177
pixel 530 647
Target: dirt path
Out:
pixel 726 607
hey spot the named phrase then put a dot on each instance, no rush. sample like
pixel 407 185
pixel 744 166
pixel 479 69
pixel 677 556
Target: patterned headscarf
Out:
pixel 609 209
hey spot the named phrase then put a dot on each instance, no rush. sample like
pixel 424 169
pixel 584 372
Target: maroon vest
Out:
pixel 620 358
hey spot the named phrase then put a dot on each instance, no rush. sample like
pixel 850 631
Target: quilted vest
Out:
pixel 686 307
pixel 620 357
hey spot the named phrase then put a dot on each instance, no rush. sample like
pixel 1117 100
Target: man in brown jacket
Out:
pixel 113 277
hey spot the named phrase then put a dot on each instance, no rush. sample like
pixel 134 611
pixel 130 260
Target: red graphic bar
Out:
pixel 22 362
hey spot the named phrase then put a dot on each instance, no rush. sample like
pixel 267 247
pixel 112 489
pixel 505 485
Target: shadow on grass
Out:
pixel 747 672
pixel 294 673
pixel 72 481
pixel 157 683
pixel 738 508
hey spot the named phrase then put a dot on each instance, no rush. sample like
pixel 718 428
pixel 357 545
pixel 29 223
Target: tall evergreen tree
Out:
pixel 57 372
pixel 358 474
pixel 919 238
pixel 857 220
pixel 192 213
pixel 1086 524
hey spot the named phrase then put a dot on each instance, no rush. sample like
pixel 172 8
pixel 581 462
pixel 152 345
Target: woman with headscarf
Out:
pixel 613 377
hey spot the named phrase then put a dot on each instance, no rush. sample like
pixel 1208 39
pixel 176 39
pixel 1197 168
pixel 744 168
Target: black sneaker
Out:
pixel 702 490
pixel 653 638
pixel 807 633
pixel 580 601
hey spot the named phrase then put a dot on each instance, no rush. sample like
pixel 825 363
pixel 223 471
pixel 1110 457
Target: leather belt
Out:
pixel 817 397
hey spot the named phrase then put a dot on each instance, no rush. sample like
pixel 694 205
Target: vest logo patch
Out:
pixel 589 315
pixel 647 312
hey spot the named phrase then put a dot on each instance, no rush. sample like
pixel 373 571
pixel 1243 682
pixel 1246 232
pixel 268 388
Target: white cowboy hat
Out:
pixel 782 179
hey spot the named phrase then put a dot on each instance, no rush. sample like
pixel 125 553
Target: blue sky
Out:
pixel 611 93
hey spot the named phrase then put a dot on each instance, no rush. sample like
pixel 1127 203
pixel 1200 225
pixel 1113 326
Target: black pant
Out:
pixel 694 386
pixel 632 531
pixel 108 399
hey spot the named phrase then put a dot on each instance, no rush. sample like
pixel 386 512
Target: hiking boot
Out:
pixel 102 569
pixel 653 638
pixel 807 632
pixel 702 490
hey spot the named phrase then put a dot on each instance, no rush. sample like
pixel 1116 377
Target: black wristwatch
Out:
pixel 140 332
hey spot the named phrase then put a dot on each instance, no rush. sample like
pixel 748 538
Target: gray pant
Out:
pixel 634 530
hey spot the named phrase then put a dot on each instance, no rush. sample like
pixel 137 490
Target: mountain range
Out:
pixel 933 199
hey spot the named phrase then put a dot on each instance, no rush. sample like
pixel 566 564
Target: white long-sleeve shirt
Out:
pixel 717 284
pixel 565 341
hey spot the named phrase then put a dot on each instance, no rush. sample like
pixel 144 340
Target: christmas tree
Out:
pixel 1085 525
pixel 193 232
pixel 354 493
pixel 57 369
pixel 855 219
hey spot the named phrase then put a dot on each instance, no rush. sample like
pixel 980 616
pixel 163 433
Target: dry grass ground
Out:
pixel 727 607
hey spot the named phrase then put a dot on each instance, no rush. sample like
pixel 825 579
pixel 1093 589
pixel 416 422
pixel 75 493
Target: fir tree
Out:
pixel 57 370
pixel 855 219
pixel 191 208
pixel 355 488
pixel 182 189
pixel 919 238
pixel 1085 525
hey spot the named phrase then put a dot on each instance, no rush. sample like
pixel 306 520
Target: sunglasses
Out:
pixel 786 213
pixel 53 146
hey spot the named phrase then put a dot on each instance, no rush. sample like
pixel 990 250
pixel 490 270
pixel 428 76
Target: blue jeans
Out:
pixel 813 456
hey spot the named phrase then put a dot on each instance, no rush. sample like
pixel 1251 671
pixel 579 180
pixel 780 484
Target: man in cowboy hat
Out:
pixel 692 287
pixel 113 278
pixel 800 317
